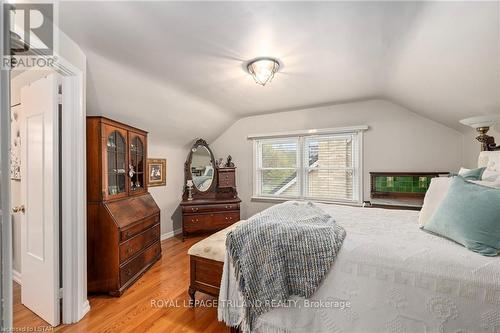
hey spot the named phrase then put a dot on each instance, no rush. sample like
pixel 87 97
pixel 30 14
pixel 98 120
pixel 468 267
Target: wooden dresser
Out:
pixel 209 215
pixel 213 203
pixel 123 220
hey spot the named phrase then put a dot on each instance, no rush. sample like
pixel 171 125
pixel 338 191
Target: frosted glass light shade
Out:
pixel 480 121
pixel 263 69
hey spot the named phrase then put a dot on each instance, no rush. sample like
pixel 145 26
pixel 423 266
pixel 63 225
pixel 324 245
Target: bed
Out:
pixel 394 276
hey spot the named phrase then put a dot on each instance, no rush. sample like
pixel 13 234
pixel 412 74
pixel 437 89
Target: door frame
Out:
pixel 73 250
pixel 6 226
pixel 74 196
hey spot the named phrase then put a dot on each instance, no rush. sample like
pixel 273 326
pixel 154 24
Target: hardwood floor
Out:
pixel 166 282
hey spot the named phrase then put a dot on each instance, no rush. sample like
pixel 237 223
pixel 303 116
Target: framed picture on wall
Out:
pixel 157 171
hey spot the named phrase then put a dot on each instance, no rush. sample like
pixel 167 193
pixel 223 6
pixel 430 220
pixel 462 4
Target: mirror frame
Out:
pixel 197 194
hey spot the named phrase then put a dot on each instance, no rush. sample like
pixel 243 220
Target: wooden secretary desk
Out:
pixel 123 220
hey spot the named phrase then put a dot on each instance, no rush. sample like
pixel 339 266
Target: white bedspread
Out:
pixel 397 278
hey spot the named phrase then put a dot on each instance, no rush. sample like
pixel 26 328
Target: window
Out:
pixel 324 167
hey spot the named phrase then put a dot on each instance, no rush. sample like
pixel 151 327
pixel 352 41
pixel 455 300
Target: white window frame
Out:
pixel 300 136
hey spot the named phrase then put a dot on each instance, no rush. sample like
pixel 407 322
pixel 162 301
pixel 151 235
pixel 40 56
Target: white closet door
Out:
pixel 40 196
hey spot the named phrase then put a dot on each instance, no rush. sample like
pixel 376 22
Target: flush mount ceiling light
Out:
pixel 481 121
pixel 263 69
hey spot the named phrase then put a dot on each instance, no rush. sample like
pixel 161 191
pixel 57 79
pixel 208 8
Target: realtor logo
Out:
pixel 31 36
pixel 32 28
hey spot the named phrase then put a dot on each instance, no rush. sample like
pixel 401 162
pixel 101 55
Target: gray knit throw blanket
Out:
pixel 284 251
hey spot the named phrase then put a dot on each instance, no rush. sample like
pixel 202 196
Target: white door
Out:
pixel 40 196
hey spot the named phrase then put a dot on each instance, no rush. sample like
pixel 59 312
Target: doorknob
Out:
pixel 18 209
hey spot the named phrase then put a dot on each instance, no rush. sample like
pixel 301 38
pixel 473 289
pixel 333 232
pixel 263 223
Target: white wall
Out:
pixel 397 140
pixel 168 197
pixel 472 148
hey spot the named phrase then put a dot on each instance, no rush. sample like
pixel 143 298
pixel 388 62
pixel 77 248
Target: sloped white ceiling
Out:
pixel 177 68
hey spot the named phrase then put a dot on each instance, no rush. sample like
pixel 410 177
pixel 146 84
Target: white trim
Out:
pixel 74 196
pixel 361 169
pixel 16 276
pixel 85 307
pixel 282 199
pixel 170 234
pixel 255 175
pixel 335 130
pixel 357 161
pixel 6 298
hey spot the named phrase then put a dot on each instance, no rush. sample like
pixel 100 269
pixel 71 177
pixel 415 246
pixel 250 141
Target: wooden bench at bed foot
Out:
pixel 207 261
pixel 205 276
pixel 206 264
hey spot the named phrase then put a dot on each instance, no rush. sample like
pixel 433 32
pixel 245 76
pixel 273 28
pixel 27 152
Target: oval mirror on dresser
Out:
pixel 210 201
pixel 202 168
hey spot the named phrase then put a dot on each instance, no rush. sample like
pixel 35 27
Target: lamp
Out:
pixel 482 125
pixel 189 185
pixel 263 69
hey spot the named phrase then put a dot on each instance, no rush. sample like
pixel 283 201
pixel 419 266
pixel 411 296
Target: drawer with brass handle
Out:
pixel 226 178
pixel 138 263
pixel 135 244
pixel 210 208
pixel 211 214
pixel 226 219
pixel 209 221
pixel 139 227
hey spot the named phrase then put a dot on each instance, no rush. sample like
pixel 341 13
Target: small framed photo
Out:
pixel 157 171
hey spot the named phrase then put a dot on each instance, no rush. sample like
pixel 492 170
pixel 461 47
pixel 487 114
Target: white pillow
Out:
pixel 433 197
pixel 494 184
pixel 488 175
pixel 491 176
pixel 463 170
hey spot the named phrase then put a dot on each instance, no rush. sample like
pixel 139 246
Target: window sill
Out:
pixel 280 200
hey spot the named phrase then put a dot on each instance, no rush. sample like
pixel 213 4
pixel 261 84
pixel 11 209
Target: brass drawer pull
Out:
pixel 194 209
pixel 130 250
pixel 129 271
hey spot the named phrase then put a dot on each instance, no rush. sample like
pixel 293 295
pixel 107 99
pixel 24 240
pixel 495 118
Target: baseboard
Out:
pixel 84 309
pixel 170 234
pixel 16 276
